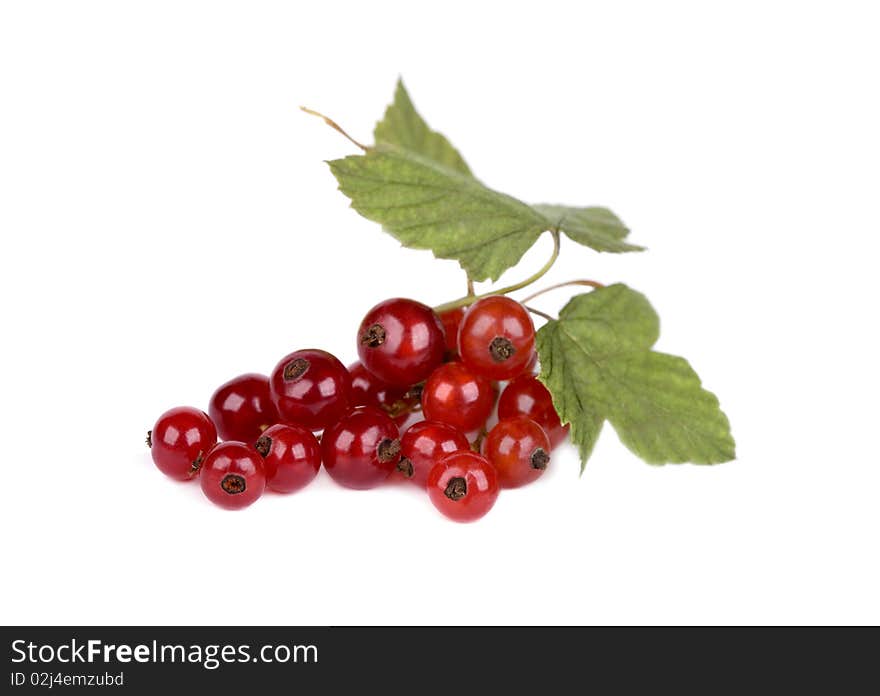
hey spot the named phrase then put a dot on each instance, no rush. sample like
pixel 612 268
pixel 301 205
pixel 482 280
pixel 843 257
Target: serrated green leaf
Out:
pixel 402 126
pixel 619 320
pixel 419 188
pixel 556 372
pixel 597 228
pixel 664 415
pixel 426 205
pixel 597 362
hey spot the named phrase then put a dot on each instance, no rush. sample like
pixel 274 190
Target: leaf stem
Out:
pixel 471 298
pixel 335 126
pixel 589 283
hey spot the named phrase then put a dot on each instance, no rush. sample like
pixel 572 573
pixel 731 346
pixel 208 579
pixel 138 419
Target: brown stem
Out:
pixel 335 126
pixel 540 313
pixel 477 444
pixel 588 283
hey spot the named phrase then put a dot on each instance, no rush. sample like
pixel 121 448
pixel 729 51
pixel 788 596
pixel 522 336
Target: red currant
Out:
pixel 401 341
pixel 423 444
pixel 242 408
pixel 362 449
pixel 451 321
pixel 533 364
pixel 291 456
pixel 180 440
pixel 233 475
pixel 456 395
pixel 497 337
pixel 463 486
pixel 519 449
pixel 526 396
pixel 311 388
pixel 369 390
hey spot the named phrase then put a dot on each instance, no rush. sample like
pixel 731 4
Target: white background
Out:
pixel 167 223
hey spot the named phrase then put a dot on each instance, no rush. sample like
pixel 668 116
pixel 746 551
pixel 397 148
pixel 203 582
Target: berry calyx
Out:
pixel 180 440
pixel 457 395
pixel 463 486
pixel 497 337
pixel 291 457
pixel 369 390
pixel 519 449
pixel 242 408
pixel 362 449
pixel 310 388
pixel 424 444
pixel 401 341
pixel 526 396
pixel 233 475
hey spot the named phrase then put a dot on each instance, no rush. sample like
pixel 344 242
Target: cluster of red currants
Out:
pixel 446 367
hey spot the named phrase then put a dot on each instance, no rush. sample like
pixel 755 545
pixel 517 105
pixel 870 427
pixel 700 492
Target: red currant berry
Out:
pixel 423 444
pixel 401 341
pixel 497 337
pixel 180 440
pixel 291 457
pixel 362 449
pixel 463 486
pixel 533 364
pixel 526 396
pixel 242 408
pixel 233 475
pixel 519 449
pixel 311 388
pixel 369 390
pixel 456 395
pixel 451 321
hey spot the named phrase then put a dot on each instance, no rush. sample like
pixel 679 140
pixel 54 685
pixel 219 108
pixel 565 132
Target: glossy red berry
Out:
pixel 519 449
pixel 456 395
pixel 526 396
pixel 233 475
pixel 180 440
pixel 311 388
pixel 451 322
pixel 369 390
pixel 533 364
pixel 362 449
pixel 497 337
pixel 463 486
pixel 242 408
pixel 401 341
pixel 291 457
pixel 424 444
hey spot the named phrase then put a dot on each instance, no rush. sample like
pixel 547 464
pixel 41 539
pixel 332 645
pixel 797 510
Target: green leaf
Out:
pixel 426 205
pixel 597 228
pixel 402 126
pixel 597 362
pixel 418 187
